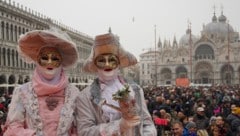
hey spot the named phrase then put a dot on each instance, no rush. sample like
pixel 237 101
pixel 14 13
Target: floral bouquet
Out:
pixel 126 102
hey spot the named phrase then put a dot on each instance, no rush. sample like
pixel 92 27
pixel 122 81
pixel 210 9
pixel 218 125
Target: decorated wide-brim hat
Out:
pixel 30 44
pixel 108 44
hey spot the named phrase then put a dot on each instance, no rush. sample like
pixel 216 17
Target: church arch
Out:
pixel 181 72
pixel 166 75
pixel 204 51
pixel 227 74
pixel 204 73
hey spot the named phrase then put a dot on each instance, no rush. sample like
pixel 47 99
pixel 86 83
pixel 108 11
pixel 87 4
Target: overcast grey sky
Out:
pixel 133 20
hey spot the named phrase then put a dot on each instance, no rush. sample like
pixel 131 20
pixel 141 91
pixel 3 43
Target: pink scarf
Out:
pixel 43 88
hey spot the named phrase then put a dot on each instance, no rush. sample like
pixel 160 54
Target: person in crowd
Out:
pixel 233 119
pixel 191 128
pixel 45 106
pixel 223 126
pixel 226 108
pixel 212 120
pixel 214 130
pixel 202 132
pixel 233 115
pixel 178 129
pixel 159 123
pixel 162 120
pixel 99 112
pixel 200 119
pixel 159 103
pixel 182 117
pixel 165 115
pixel 235 111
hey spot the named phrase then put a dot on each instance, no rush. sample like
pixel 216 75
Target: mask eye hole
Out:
pixel 44 58
pixel 102 60
pixel 112 59
pixel 55 59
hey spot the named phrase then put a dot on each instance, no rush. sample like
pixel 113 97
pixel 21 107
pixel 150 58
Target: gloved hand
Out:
pixel 129 123
pixel 128 108
pixel 130 117
pixel 127 103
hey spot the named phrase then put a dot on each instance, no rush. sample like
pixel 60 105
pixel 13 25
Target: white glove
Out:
pixel 129 123
pixel 130 117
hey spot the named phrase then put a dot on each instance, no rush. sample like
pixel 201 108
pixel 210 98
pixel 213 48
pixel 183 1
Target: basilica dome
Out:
pixel 218 27
pixel 184 40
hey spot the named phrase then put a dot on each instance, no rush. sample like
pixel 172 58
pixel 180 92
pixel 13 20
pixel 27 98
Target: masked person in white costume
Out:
pixel 98 113
pixel 45 106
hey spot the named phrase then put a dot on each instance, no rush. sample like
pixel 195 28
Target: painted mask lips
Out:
pixel 108 70
pixel 50 68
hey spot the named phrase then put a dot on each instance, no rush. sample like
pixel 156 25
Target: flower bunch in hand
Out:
pixel 122 95
pixel 126 102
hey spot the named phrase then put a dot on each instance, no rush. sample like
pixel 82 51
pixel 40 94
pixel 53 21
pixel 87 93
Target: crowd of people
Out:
pixel 195 111
pixel 4 102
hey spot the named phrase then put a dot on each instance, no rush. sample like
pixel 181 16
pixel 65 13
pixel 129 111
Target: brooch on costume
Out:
pixel 52 102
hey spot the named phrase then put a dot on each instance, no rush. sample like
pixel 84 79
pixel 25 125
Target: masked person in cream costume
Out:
pixel 98 113
pixel 45 106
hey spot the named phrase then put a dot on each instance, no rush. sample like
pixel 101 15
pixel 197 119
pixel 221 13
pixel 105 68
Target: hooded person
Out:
pixel 102 109
pixel 45 106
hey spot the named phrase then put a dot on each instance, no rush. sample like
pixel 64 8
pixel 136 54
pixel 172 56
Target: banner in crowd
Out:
pixel 182 82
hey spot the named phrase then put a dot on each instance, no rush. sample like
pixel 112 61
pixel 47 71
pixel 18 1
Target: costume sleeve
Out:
pixel 88 122
pixel 16 117
pixel 148 127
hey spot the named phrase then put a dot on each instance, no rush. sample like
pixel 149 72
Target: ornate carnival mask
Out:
pixel 50 58
pixel 107 61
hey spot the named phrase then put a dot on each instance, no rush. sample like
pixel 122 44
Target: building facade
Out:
pixel 146 63
pixel 15 19
pixel 211 58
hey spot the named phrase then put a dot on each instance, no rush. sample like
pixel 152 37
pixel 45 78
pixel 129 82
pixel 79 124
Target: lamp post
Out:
pixel 190 50
pixel 155 54
pixel 228 59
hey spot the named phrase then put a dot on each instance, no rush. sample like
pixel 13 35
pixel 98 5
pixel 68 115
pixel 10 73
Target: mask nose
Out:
pixel 107 63
pixel 49 61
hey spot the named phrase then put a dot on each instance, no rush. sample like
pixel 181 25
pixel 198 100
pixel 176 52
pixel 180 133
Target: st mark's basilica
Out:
pixel 211 58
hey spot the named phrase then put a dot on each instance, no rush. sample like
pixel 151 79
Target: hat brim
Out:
pixel 31 43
